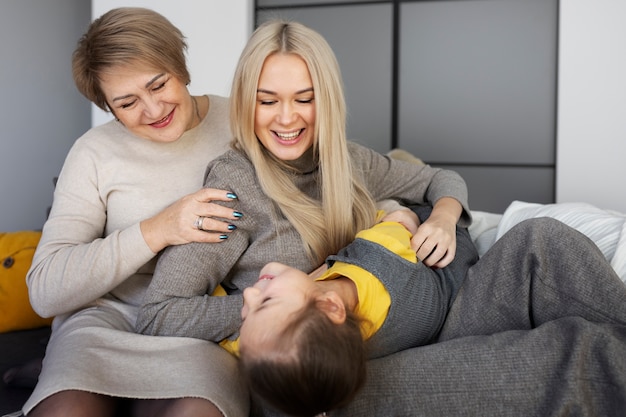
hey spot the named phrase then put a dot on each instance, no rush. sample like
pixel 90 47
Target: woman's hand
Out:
pixel 435 240
pixel 193 218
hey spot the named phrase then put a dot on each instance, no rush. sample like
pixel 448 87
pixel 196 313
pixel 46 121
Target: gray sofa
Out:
pixel 18 348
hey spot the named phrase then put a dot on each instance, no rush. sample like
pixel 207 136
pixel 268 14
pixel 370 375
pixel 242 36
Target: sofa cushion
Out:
pixel 16 254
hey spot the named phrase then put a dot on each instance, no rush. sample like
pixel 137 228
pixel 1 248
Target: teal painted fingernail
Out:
pixel 237 214
pixel 232 227
pixel 231 195
pixel 223 237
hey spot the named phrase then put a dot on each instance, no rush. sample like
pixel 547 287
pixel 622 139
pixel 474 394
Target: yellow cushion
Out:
pixel 16 254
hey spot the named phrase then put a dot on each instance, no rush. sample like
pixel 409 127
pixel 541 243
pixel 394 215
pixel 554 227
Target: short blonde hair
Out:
pixel 127 36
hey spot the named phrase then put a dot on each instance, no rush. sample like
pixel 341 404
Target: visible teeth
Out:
pixel 289 136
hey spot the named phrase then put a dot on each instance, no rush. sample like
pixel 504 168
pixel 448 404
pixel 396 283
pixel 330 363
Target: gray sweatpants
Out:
pixel 540 271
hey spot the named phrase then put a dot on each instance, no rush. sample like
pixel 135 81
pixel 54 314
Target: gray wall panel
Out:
pixel 41 112
pixel 270 3
pixel 478 81
pixel 494 188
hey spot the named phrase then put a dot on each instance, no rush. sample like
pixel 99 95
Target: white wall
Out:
pixel 591 138
pixel 216 32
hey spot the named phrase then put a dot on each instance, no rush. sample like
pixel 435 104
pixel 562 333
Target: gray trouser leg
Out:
pixel 539 271
pixel 567 367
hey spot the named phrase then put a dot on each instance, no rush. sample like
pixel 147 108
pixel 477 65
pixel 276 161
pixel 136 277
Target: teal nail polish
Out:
pixel 237 214
pixel 231 195
pixel 232 227
pixel 223 237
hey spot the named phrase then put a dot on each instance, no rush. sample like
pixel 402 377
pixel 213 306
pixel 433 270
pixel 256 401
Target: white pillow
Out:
pixel 483 230
pixel 604 227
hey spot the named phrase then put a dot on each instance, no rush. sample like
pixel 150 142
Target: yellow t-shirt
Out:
pixel 374 299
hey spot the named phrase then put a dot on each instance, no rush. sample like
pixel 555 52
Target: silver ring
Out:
pixel 198 223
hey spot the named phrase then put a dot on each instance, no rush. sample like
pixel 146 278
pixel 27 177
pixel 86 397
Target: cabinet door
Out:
pixel 477 81
pixel 274 3
pixel 361 37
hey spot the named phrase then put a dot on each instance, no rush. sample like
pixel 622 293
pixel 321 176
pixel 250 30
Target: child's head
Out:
pixel 301 350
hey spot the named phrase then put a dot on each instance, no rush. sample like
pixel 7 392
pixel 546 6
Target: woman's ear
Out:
pixel 331 303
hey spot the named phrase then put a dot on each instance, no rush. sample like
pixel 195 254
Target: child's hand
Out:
pixel 405 217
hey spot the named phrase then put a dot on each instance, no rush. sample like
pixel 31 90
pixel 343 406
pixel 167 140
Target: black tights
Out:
pixel 73 403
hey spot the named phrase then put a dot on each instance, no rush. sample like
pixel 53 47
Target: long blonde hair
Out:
pixel 346 206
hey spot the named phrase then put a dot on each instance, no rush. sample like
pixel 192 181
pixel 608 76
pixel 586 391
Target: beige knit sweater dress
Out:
pixel 93 266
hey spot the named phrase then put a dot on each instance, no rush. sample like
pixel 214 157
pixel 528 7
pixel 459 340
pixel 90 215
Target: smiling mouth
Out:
pixel 290 135
pixel 162 121
pixel 265 277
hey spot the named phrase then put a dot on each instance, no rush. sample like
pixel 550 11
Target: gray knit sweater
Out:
pixel 178 301
pixel 420 296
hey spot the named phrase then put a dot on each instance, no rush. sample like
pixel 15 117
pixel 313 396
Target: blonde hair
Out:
pixel 346 207
pixel 127 36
